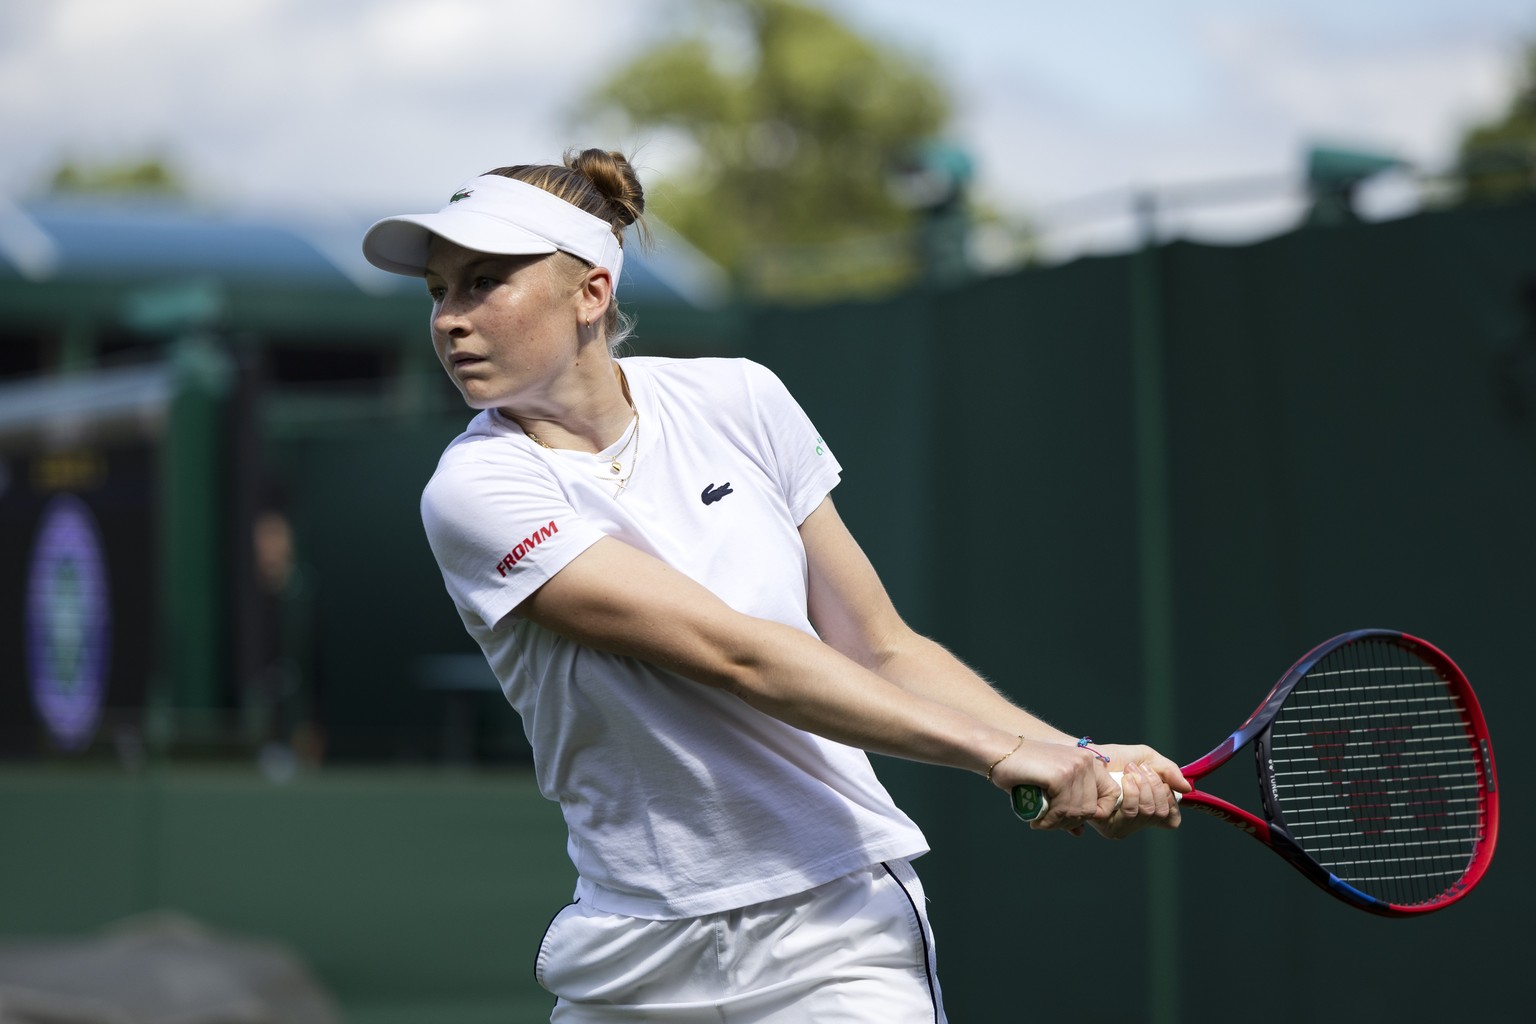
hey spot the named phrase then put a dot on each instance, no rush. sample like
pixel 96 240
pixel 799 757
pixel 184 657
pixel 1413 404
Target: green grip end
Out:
pixel 1028 802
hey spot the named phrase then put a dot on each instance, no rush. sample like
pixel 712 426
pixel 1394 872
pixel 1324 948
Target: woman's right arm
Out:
pixel 617 599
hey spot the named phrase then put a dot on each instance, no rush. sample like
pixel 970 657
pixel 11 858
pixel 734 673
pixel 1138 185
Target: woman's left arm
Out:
pixel 853 613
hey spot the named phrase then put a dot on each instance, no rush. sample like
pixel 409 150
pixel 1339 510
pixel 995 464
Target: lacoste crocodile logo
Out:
pixel 713 494
pixel 463 193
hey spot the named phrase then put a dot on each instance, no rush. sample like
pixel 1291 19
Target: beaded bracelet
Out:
pixel 1084 743
pixel 993 766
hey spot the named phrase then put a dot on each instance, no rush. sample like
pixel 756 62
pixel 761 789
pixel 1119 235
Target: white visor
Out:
pixel 497 215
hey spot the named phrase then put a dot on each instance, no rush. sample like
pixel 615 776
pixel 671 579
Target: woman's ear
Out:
pixel 595 295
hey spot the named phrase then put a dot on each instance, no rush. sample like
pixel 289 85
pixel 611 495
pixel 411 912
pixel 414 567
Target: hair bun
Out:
pixel 612 175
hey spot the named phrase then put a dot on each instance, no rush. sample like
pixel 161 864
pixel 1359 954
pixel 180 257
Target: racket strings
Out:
pixel 1376 773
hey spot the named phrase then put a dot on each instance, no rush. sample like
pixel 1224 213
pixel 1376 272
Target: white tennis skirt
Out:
pixel 857 950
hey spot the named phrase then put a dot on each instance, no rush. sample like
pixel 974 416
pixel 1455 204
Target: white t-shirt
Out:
pixel 681 800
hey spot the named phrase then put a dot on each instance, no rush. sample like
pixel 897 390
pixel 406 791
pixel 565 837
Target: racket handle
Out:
pixel 1029 800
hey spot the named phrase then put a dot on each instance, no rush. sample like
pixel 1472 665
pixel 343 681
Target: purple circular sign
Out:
pixel 69 623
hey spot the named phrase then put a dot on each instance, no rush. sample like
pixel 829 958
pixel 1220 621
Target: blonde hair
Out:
pixel 604 184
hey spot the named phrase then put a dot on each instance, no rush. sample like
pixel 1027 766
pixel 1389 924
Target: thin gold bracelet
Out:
pixel 993 766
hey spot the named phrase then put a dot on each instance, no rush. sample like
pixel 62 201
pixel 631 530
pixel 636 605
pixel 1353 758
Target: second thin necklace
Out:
pixel 616 461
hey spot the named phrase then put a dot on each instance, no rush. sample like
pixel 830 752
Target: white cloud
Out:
pixel 292 101
pixel 1411 97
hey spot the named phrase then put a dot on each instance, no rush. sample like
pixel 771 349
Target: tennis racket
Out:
pixel 1375 774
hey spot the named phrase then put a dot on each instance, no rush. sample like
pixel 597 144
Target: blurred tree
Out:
pixel 1498 159
pixel 795 125
pixel 150 176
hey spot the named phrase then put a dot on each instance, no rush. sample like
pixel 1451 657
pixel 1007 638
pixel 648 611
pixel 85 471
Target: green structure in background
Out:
pixel 1334 176
pixel 193 542
pixel 1155 573
pixel 1130 489
pixel 1347 421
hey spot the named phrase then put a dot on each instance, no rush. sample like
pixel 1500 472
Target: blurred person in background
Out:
pixel 647 552
pixel 284 694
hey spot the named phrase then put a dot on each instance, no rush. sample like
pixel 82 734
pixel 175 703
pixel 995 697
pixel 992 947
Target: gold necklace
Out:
pixel 616 464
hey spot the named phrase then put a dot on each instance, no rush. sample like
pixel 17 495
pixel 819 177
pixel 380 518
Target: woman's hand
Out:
pixel 1075 783
pixel 1149 782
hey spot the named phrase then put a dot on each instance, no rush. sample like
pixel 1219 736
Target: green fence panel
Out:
pixel 1350 416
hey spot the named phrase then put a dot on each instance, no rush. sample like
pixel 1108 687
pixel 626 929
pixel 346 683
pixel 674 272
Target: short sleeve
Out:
pixel 806 468
pixel 500 529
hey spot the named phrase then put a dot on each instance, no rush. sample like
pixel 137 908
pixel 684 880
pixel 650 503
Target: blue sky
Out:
pixel 366 106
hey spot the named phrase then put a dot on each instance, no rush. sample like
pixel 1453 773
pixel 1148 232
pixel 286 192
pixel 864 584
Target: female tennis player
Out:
pixel 647 552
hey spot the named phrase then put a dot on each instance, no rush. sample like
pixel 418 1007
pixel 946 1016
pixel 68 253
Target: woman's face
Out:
pixel 504 327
